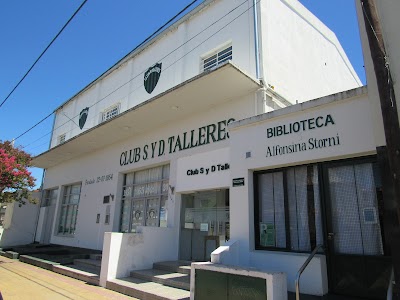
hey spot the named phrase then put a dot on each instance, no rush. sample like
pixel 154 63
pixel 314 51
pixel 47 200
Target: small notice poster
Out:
pixel 267 235
pixel 203 226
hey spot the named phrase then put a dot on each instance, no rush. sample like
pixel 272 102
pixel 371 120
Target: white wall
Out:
pixel 303 59
pixel 125 252
pixel 21 225
pixel 203 171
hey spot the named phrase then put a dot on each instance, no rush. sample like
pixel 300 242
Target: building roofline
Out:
pixel 341 96
pixel 142 46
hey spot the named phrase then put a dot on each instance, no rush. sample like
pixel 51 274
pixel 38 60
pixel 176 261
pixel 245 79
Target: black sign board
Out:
pixel 238 182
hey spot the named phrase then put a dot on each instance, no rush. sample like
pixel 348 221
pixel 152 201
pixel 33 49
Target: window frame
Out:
pixel 324 197
pixel 160 196
pixel 257 200
pixel 67 193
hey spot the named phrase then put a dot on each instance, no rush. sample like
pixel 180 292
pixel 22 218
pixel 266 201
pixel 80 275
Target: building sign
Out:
pixel 99 179
pixel 208 170
pixel 83 117
pixel 151 77
pixel 298 127
pixel 238 182
pixel 190 139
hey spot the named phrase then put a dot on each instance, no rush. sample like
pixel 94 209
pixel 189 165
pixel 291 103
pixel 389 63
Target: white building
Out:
pixel 142 161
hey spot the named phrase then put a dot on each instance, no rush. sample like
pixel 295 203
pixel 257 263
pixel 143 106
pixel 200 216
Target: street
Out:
pixel 26 282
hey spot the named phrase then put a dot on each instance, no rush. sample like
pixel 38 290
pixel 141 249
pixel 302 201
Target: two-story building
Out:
pixel 152 150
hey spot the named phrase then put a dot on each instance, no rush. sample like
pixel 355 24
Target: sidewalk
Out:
pixel 26 282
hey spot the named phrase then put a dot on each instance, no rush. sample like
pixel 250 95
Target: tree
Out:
pixel 15 179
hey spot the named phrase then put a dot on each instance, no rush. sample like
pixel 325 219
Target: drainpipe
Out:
pixel 256 39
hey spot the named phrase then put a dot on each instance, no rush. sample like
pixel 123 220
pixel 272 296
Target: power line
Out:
pixel 143 42
pixel 191 50
pixel 44 51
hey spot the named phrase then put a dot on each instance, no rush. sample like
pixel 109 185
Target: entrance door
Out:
pixel 50 204
pixel 204 224
pixel 357 265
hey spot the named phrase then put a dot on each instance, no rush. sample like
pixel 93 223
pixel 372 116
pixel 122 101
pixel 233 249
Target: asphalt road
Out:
pixel 26 282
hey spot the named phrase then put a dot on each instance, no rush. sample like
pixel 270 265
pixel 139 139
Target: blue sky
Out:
pixel 102 33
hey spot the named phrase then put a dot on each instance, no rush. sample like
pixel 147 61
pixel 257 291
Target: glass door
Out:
pixel 204 223
pixel 357 265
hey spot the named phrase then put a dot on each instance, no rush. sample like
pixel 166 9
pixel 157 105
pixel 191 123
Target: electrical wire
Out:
pixel 44 51
pixel 192 49
pixel 143 42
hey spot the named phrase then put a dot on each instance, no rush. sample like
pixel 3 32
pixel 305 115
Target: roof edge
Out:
pixel 140 48
pixel 341 96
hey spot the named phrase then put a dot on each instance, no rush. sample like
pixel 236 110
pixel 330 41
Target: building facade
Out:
pixel 314 174
pixel 143 161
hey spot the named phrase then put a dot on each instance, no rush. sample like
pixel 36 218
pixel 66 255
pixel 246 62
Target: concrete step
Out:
pixel 178 266
pixel 10 254
pixel 41 263
pixel 84 274
pixel 176 280
pixel 92 263
pixel 146 290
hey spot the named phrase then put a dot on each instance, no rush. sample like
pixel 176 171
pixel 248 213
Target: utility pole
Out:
pixel 390 122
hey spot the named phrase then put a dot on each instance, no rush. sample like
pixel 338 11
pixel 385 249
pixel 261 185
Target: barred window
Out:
pixel 144 198
pixel 216 59
pixel 2 214
pixel 110 113
pixel 61 139
pixel 69 209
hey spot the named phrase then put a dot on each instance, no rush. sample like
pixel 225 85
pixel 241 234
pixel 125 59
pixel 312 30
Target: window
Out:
pixel 61 139
pixel 110 113
pixel 50 197
pixel 2 214
pixel 289 209
pixel 217 58
pixel 144 198
pixel 69 209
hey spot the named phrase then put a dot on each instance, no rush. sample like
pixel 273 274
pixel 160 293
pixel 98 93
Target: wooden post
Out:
pixel 390 121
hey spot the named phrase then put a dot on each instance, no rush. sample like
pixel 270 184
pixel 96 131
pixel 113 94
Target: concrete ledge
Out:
pixel 77 274
pixel 42 263
pixel 10 254
pixel 275 282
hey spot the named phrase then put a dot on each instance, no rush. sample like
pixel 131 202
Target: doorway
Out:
pixel 354 206
pixel 204 224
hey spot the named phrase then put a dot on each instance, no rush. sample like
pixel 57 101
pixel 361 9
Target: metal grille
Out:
pixel 354 210
pixel 110 113
pixel 217 59
pixel 144 198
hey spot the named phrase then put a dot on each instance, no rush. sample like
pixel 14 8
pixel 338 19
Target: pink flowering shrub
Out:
pixel 15 179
